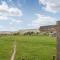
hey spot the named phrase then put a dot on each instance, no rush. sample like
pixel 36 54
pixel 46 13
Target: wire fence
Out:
pixel 37 58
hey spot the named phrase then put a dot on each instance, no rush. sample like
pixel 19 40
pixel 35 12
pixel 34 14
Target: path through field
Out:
pixel 14 51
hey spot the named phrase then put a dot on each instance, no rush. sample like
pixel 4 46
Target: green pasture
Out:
pixel 28 47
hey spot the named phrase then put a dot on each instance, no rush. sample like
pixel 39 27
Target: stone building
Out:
pixel 49 28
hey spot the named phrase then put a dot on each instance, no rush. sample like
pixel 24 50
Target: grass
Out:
pixel 28 47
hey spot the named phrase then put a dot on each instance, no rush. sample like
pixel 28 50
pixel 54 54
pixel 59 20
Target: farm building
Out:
pixel 49 28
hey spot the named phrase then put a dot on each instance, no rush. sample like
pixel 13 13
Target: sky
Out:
pixel 28 14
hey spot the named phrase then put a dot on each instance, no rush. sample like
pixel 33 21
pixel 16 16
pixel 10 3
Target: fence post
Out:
pixel 53 57
pixel 58 41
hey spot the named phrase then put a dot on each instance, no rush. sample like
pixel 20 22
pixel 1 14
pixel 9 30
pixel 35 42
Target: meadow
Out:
pixel 28 47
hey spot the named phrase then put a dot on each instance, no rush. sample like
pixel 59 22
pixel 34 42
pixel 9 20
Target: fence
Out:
pixel 58 41
pixel 36 58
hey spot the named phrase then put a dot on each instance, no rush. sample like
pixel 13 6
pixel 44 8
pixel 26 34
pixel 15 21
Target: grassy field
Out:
pixel 28 47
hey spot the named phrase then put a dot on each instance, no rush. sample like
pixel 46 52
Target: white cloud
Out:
pixel 19 21
pixel 43 20
pixel 3 17
pixel 51 5
pixel 10 11
pixel 14 22
pixel 15 12
pixel 7 12
pixel 10 14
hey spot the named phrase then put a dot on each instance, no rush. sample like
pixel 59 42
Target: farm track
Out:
pixel 14 51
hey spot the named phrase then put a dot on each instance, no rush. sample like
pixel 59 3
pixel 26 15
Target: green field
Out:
pixel 28 47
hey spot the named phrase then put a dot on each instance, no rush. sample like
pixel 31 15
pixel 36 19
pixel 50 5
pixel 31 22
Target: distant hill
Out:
pixel 6 32
pixel 29 30
pixel 20 31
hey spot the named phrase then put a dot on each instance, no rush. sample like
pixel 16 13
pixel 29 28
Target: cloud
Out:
pixel 51 5
pixel 42 20
pixel 13 22
pixel 10 11
pixel 15 12
pixel 3 17
pixel 19 21
pixel 11 15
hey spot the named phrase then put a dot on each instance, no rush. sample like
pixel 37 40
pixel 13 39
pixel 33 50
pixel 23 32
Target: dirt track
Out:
pixel 14 52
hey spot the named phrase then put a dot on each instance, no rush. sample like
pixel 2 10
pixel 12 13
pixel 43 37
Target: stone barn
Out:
pixel 49 28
